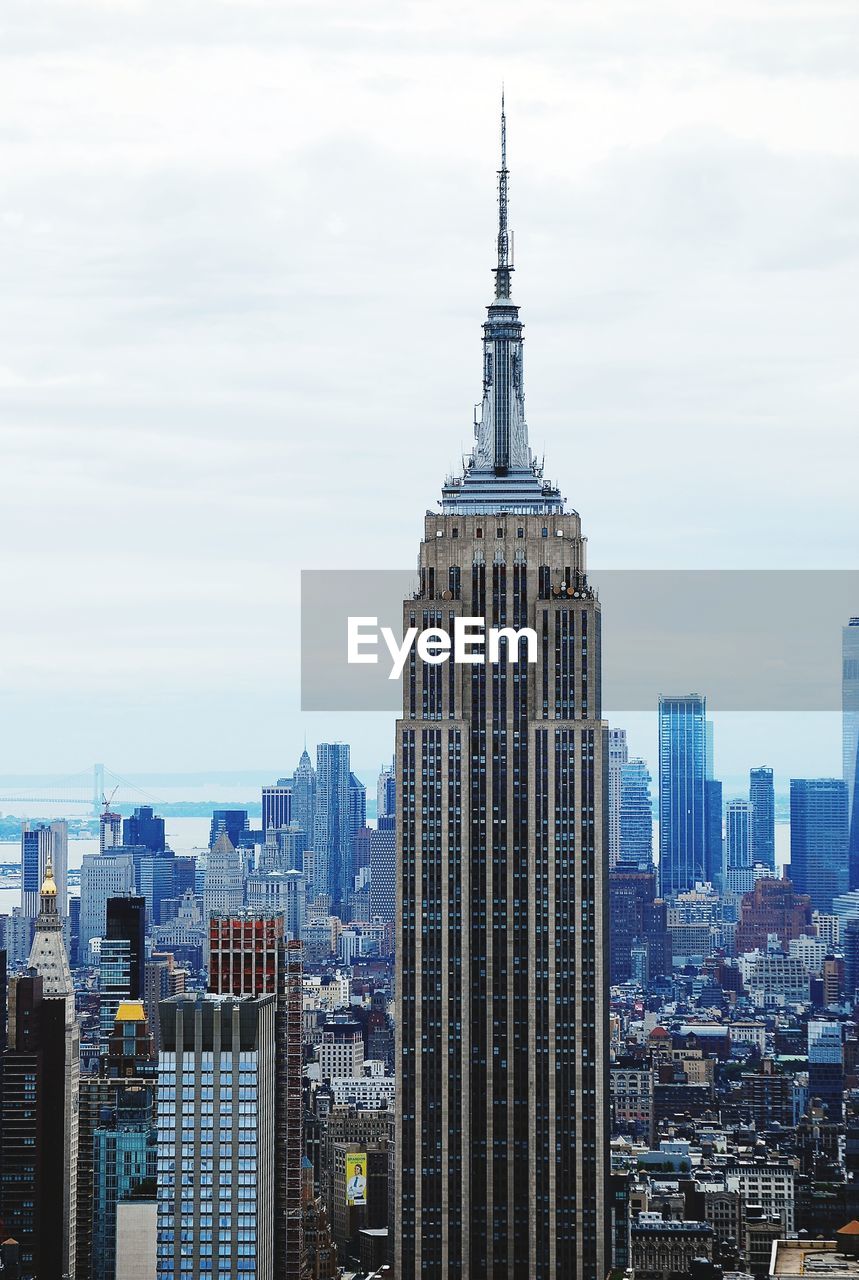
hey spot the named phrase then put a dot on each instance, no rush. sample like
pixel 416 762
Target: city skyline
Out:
pixel 495 980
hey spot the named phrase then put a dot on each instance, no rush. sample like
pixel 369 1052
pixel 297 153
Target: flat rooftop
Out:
pixel 800 1259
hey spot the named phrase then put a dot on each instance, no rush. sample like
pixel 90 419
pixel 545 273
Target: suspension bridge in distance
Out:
pixel 90 789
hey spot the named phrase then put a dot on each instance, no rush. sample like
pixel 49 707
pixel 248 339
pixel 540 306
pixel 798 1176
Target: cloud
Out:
pixel 245 250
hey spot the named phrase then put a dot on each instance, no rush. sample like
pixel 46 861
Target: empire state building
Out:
pixel 501 1142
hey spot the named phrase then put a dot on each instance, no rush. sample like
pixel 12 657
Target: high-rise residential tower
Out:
pixel 682 804
pixel 738 846
pixel 762 797
pixel 250 956
pixel 216 1100
pixel 618 754
pixel 501 1112
pixel 850 729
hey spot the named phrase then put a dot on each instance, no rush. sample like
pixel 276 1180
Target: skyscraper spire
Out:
pixel 501 473
pixel 505 265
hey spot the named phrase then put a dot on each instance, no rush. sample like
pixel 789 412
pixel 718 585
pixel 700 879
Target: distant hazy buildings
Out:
pixel 277 804
pixel 682 773
pixel 818 839
pixel 103 876
pixel 109 829
pixel 144 827
pixel 304 798
pixel 281 892
pixel 233 821
pixel 225 889
pixel 762 798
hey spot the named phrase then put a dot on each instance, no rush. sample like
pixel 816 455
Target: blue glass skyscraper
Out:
pixel 333 828
pixel 850 725
pixel 714 859
pixel 682 804
pixel 818 839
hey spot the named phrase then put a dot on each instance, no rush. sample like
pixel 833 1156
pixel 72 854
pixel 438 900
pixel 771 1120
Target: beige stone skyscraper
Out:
pixel 501 1145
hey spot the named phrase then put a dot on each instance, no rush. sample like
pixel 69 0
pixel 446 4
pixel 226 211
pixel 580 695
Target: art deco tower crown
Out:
pixel 501 473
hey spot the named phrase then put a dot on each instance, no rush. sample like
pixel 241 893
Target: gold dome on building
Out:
pixel 49 884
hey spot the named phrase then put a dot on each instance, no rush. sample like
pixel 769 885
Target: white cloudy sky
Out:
pixel 244 250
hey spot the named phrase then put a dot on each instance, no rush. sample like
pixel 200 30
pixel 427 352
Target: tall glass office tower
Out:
pixel 332 827
pixel 682 792
pixel 850 726
pixel 501 1123
pixel 818 839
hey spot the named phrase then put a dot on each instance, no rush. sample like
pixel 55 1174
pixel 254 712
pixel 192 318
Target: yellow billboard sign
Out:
pixel 356 1177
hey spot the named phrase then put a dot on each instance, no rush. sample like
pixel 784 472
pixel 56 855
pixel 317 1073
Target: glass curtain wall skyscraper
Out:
pixel 818 839
pixel 501 1136
pixel 850 728
pixel 682 792
pixel 636 813
pixel 333 830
